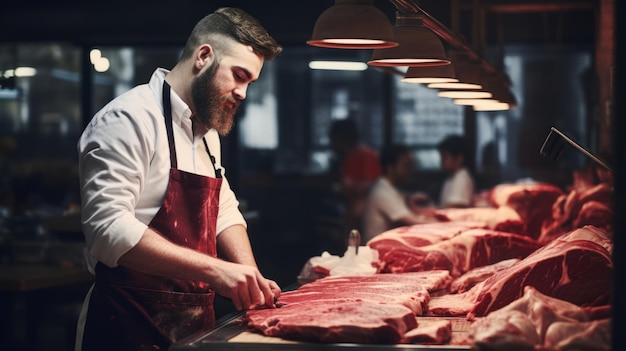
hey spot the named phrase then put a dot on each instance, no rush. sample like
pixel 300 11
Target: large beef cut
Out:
pixel 470 249
pixel 346 321
pixel 378 308
pixel 533 202
pixel 411 289
pixel 420 234
pixel 576 209
pixel 477 275
pixel 576 267
pixel 503 218
pixel 540 322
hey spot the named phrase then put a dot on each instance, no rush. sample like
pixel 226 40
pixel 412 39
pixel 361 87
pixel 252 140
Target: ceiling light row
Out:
pixel 357 24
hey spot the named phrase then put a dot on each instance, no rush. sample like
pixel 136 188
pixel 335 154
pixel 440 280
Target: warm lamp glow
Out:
pixel 464 94
pixel 475 102
pixel 455 86
pixel 499 106
pixel 352 24
pixel 338 65
pixel 430 74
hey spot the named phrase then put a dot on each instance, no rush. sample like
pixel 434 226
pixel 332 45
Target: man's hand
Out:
pixel 244 286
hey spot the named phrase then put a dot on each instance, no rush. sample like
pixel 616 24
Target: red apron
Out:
pixel 129 310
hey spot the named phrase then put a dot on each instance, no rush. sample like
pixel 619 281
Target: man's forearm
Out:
pixel 156 255
pixel 233 245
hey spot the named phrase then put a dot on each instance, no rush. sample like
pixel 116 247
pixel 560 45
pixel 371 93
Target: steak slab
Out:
pixel 339 321
pixel 378 308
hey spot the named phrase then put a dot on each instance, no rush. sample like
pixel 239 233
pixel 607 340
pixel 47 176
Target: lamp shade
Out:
pixel 417 45
pixel 352 24
pixel 430 74
pixel 468 74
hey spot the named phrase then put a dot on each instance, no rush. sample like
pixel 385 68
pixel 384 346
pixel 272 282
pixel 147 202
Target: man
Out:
pixel 386 206
pixel 162 226
pixel 359 168
pixel 458 188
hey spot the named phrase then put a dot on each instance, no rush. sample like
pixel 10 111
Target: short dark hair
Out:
pixel 345 129
pixel 390 154
pixel 455 145
pixel 235 24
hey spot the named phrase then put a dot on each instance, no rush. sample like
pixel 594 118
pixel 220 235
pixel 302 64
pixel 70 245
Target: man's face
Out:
pixel 403 168
pixel 217 91
pixel 449 162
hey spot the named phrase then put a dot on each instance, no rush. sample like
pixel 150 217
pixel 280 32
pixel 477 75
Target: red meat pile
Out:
pixel 592 206
pixel 373 309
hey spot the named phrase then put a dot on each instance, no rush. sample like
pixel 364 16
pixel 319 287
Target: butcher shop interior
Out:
pixel 529 262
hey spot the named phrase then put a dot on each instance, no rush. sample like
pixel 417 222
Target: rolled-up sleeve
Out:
pixel 113 162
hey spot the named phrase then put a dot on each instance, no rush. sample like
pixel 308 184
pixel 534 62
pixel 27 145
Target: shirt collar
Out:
pixel 181 113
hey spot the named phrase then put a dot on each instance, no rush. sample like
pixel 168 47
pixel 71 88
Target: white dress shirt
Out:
pixel 385 206
pixel 458 189
pixel 124 164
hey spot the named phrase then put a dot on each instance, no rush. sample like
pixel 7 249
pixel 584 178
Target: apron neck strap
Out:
pixel 167 112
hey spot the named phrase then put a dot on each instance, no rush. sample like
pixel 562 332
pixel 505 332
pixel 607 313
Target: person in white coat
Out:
pixel 458 188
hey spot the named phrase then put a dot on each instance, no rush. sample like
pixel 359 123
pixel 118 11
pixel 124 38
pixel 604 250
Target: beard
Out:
pixel 212 110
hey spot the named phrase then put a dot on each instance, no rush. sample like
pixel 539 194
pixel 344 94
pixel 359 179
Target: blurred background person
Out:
pixel 458 188
pixel 357 168
pixel 387 206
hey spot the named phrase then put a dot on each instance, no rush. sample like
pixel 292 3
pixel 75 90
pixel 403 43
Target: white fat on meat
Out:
pixel 503 218
pixel 436 332
pixel 420 234
pixel 477 275
pixel 536 321
pixel 510 331
pixel 593 335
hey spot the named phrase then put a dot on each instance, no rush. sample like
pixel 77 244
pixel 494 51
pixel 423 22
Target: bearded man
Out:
pixel 162 226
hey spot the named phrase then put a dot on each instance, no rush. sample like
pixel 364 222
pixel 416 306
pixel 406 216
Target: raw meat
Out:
pixel 594 335
pixel 571 269
pixel 503 218
pixel 470 249
pixel 341 321
pixel 420 234
pixel 576 268
pixel 533 202
pixel 378 308
pixel 535 321
pixel 409 289
pixel 438 332
pixel 594 213
pixel 477 275
pixel 506 331
pixel 576 209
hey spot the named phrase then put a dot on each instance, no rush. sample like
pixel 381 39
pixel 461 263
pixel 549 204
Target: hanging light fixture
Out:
pixel 468 74
pixel 501 98
pixel 430 74
pixel 353 24
pixel 418 45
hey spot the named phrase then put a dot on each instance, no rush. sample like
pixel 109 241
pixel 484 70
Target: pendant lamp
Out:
pixel 417 45
pixel 468 74
pixel 501 97
pixel 352 24
pixel 430 74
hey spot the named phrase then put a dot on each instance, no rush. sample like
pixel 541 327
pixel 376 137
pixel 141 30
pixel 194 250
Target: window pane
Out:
pixel 422 119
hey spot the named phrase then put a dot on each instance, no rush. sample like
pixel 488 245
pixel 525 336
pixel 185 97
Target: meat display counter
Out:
pixel 231 334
